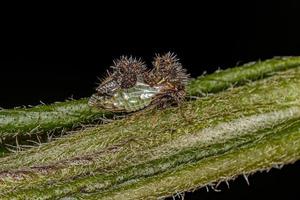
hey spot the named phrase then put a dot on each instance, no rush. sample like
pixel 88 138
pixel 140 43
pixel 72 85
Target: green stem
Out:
pixel 224 79
pixel 272 151
pixel 139 155
pixel 26 123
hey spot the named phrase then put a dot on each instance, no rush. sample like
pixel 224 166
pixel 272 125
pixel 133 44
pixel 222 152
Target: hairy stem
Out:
pixel 157 153
pixel 224 79
pixel 29 123
pixel 272 151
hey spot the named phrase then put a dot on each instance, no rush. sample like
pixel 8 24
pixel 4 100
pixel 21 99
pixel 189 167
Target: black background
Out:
pixel 54 52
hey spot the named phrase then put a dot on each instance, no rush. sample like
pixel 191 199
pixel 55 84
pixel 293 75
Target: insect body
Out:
pixel 127 100
pixel 131 87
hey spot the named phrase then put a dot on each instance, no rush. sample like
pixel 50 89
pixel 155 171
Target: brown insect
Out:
pixel 131 86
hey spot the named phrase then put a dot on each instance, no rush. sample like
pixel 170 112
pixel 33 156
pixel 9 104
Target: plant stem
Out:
pixel 224 79
pixel 272 151
pixel 41 121
pixel 157 153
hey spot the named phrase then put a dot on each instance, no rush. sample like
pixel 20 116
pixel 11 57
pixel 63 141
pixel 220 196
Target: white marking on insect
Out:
pixel 132 101
pixel 126 97
pixel 146 96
